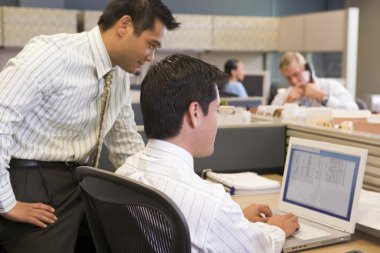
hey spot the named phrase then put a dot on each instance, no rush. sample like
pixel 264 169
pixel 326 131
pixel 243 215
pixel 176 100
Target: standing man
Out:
pixel 179 102
pixel 235 71
pixel 53 115
pixel 307 90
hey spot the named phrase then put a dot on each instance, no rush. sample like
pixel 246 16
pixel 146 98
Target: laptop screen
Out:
pixel 321 180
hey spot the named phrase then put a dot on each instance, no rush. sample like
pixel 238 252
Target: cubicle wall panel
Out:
pixel 194 33
pixel 325 31
pixel 372 170
pixel 260 149
pixel 291 33
pixel 90 19
pixel 245 33
pixel 21 24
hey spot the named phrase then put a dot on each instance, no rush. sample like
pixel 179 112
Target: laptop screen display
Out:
pixel 321 180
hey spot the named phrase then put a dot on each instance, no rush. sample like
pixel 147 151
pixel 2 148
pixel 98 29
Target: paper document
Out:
pixel 244 182
pixel 369 209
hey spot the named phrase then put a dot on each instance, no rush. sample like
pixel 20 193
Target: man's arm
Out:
pixel 312 91
pixel 229 229
pixel 18 93
pixel 123 139
pixel 339 97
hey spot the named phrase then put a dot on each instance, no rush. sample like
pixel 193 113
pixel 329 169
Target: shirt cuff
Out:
pixel 333 102
pixel 7 199
pixel 275 235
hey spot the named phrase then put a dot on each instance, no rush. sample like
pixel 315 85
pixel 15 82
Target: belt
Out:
pixel 15 163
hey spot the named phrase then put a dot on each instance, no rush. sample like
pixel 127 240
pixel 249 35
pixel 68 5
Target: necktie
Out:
pixel 104 105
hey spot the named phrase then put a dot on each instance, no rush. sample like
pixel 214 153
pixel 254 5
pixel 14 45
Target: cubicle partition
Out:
pixel 253 147
pixel 355 139
pixel 258 147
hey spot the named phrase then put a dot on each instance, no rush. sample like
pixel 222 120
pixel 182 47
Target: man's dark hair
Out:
pixel 169 88
pixel 143 13
pixel 230 65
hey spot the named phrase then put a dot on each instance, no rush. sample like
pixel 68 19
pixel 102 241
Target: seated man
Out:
pixel 179 102
pixel 235 71
pixel 308 90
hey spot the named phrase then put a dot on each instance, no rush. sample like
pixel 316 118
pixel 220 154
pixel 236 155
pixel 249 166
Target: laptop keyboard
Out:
pixel 307 232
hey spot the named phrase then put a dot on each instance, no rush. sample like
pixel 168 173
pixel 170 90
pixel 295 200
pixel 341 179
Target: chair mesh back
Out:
pixel 132 228
pixel 127 216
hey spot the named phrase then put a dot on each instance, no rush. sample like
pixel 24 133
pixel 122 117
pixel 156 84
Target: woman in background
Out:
pixel 235 71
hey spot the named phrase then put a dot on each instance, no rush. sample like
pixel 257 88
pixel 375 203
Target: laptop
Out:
pixel 321 185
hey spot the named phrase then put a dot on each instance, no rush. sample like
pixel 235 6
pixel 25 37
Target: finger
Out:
pixel 265 209
pixel 44 218
pixel 43 206
pixel 288 215
pixel 36 222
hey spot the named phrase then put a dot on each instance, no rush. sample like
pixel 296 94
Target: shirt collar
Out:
pixel 99 51
pixel 171 151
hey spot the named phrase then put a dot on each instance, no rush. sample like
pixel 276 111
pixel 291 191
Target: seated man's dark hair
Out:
pixel 168 89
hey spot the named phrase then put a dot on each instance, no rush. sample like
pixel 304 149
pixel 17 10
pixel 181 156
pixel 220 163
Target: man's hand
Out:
pixel 34 213
pixel 287 222
pixel 256 213
pixel 295 94
pixel 314 92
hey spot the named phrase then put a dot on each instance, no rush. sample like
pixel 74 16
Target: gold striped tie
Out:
pixel 104 104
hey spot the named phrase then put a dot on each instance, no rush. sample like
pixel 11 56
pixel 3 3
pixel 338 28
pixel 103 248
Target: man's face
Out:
pixel 293 73
pixel 208 129
pixel 138 49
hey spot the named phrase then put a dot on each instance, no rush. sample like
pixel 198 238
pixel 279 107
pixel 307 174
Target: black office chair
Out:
pixel 362 105
pixel 127 216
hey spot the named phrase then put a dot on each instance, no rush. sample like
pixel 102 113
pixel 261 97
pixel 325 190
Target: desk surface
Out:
pixel 359 241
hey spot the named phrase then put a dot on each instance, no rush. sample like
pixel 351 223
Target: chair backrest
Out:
pixel 361 104
pixel 127 216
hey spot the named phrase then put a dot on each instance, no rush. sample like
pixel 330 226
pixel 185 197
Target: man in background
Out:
pixel 179 102
pixel 52 119
pixel 308 90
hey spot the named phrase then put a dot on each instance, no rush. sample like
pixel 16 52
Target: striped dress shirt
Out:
pixel 216 223
pixel 339 96
pixel 50 99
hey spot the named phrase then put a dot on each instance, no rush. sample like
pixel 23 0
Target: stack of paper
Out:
pixel 369 209
pixel 243 183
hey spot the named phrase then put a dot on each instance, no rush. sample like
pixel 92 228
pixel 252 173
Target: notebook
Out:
pixel 321 185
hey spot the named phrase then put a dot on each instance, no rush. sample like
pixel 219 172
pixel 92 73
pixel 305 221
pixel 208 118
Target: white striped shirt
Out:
pixel 216 223
pixel 50 99
pixel 339 96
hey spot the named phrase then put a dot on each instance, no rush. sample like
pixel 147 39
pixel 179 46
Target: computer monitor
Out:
pixel 257 84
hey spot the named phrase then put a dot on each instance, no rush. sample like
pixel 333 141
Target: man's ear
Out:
pixel 124 25
pixel 194 113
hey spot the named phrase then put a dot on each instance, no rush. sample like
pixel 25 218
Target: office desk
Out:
pixel 359 241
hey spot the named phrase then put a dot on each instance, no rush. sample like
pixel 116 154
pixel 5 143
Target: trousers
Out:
pixel 52 183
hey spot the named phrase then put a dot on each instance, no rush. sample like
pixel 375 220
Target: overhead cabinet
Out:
pixel 317 32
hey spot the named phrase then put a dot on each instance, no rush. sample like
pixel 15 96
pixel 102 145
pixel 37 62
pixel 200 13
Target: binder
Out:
pixel 243 183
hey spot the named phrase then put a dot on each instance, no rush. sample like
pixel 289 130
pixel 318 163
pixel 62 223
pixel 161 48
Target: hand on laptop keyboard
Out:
pixel 256 212
pixel 287 222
